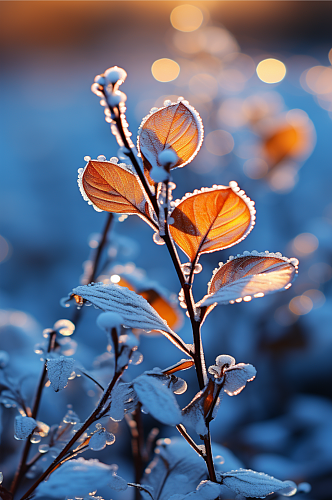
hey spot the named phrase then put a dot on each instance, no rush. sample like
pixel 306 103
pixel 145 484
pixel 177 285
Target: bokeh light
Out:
pixel 271 70
pixel 186 18
pixel 255 168
pixel 305 244
pixel 165 70
pixel 219 142
pixel 317 297
pixel 301 305
pixel 217 41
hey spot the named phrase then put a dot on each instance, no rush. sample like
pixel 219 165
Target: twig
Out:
pixel 90 420
pixel 22 465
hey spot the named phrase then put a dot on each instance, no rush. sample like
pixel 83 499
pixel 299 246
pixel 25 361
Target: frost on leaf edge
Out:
pixel 239 192
pixel 292 260
pixel 197 118
pixel 113 161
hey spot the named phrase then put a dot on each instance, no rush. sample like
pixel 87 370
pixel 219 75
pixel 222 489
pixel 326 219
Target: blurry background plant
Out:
pixel 258 132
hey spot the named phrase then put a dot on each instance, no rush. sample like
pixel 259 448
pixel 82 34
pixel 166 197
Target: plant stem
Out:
pixel 198 354
pixel 22 465
pixel 184 433
pixel 77 313
pixel 90 420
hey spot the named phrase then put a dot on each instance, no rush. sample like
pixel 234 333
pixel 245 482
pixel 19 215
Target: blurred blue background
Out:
pixel 50 53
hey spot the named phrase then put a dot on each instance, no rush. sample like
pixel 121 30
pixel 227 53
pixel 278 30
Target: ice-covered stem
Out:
pixel 22 465
pixel 198 353
pixel 77 313
pixel 89 421
pixel 184 433
pixel 116 117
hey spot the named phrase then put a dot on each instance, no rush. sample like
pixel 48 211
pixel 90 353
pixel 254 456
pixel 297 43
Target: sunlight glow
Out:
pixel 186 18
pixel 271 70
pixel 301 305
pixel 219 142
pixel 305 243
pixel 165 70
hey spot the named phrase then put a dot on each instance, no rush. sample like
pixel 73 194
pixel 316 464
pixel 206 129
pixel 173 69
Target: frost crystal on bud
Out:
pixel 114 74
pixel 168 158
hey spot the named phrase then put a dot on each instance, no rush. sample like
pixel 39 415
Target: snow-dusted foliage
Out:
pixel 253 484
pixel 118 393
pixel 58 371
pixel 157 398
pixel 76 478
pixel 24 426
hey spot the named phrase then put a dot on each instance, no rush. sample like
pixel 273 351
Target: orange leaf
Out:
pixel 281 144
pixel 113 188
pixel 177 127
pixel 249 275
pixel 184 364
pixel 162 305
pixel 212 219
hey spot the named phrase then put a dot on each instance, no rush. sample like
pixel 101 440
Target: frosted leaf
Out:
pixel 117 483
pixel 135 310
pixel 24 426
pixel 157 399
pixel 75 478
pixel 236 378
pixel 100 439
pixel 176 128
pixel 193 415
pixel 123 399
pixel 58 371
pixel 209 490
pixel 225 359
pixel 252 484
pixel 249 275
pixel 115 74
pixel 175 458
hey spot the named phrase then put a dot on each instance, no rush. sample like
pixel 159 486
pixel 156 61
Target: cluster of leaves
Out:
pixel 205 221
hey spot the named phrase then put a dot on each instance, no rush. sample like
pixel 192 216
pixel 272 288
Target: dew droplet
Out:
pixel 43 448
pixel 71 418
pixel 136 358
pixel 87 158
pixel 186 268
pixel 101 158
pixel 158 239
pixel 35 438
pixel 198 268
pixel 99 426
pixel 110 439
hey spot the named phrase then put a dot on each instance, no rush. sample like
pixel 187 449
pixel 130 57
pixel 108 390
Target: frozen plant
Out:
pixel 205 221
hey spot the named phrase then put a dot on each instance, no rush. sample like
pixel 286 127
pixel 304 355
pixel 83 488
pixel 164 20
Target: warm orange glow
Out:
pixel 186 18
pixel 271 70
pixel 319 79
pixel 305 243
pixel 317 297
pixel 219 142
pixel 165 70
pixel 300 305
pixel 255 168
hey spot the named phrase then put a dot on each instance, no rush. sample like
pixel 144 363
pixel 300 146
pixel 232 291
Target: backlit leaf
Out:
pixel 112 187
pixel 164 307
pixel 175 126
pixel 212 219
pixel 253 484
pixel 134 309
pixel 249 275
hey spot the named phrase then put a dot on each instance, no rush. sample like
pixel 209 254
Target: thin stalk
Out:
pixel 67 449
pixel 184 433
pixel 198 354
pixel 22 465
pixel 116 116
pixel 77 313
